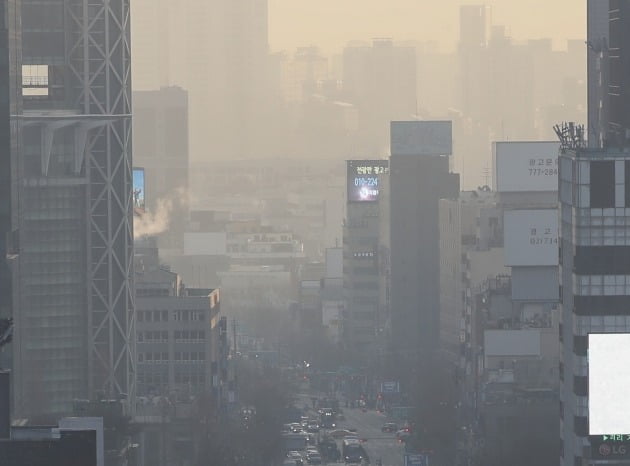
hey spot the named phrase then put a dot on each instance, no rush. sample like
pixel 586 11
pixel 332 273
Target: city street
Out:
pixel 368 426
pixel 379 445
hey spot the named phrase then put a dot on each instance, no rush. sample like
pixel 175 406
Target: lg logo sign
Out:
pixel 614 450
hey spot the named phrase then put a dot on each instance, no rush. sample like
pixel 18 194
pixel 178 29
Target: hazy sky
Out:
pixel 332 23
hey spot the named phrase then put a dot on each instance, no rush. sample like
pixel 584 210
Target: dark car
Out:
pixel 329 450
pixel 313 458
pixel 295 456
pixel 389 427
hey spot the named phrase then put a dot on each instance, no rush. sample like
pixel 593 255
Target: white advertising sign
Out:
pixel 530 237
pixel 525 166
pixel 608 382
pixel 421 137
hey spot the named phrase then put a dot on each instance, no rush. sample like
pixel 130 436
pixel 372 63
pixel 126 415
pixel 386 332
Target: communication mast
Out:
pixel 571 135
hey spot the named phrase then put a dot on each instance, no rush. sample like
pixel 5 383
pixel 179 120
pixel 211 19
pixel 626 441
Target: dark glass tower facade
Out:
pixel 75 321
pixel 9 132
pixel 619 85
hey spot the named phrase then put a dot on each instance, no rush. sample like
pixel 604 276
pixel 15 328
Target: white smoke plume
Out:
pixel 154 223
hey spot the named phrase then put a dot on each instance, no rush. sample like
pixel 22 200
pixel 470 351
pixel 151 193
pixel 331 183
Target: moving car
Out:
pixel 329 450
pixel 313 457
pixel 403 434
pixel 389 427
pixel 352 451
pixel 341 433
pixel 295 456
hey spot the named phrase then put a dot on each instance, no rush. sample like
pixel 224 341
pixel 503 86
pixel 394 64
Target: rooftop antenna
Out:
pixel 571 135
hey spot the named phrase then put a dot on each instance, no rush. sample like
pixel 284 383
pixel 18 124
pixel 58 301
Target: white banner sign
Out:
pixel 525 166
pixel 531 237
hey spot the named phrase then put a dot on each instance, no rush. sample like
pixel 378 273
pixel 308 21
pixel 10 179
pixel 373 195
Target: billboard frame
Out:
pixel 368 178
pixel 509 246
pixel 589 391
pixel 498 185
pixel 139 207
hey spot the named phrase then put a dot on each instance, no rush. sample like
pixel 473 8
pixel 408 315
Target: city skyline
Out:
pixel 330 24
pixel 417 211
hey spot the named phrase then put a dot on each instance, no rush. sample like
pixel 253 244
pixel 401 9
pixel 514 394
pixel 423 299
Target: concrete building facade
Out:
pixel 181 334
pixel 174 341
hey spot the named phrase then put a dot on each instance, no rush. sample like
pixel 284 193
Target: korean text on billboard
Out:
pixel 364 179
pixel 525 166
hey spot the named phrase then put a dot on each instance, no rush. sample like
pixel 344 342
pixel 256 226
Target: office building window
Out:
pixel 602 184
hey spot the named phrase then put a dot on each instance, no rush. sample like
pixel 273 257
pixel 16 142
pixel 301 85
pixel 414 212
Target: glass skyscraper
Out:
pixel 74 319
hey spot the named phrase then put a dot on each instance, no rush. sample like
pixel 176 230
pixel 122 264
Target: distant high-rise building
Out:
pixel 160 146
pixel 473 26
pixel 302 73
pixel 158 43
pixel 228 48
pixel 219 52
pixel 419 178
pixel 380 81
pixel 74 324
pixel 619 75
pixel 473 43
pixel 597 70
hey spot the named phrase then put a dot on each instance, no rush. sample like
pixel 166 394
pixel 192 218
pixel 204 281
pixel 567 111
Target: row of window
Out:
pixel 161 378
pixel 153 337
pixel 176 316
pixel 186 336
pixel 154 357
pixel 189 316
pixel 144 292
pixel 180 336
pixel 152 316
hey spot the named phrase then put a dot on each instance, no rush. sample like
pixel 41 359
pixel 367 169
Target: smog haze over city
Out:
pixel 297 232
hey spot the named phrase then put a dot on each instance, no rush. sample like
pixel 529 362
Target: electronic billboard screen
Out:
pixel 364 179
pixel 138 190
pixel 608 382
